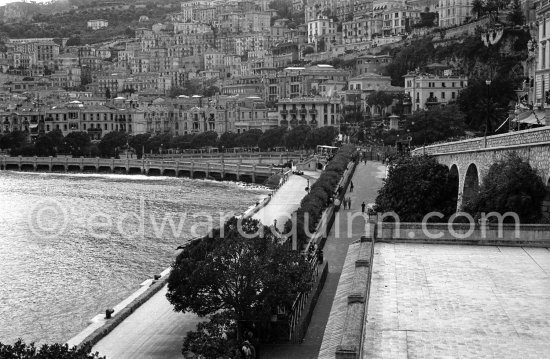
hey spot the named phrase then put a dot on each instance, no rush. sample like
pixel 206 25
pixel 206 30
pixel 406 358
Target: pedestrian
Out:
pixel 351 186
pixel 247 352
pixel 363 205
pixel 349 202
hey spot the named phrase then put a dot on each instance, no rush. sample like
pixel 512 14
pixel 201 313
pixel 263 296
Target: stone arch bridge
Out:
pixel 470 160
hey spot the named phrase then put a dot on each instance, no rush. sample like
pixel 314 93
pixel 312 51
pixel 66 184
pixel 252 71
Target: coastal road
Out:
pixel 154 330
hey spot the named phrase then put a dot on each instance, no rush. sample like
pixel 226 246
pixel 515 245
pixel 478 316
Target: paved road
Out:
pixel 154 330
pixel 367 180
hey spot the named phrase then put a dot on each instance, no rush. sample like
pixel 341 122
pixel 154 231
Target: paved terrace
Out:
pixel 451 301
pixel 154 330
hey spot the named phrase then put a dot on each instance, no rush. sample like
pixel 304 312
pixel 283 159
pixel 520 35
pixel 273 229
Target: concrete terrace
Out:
pixel 452 301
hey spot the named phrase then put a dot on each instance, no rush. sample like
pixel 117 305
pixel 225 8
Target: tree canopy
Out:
pixel 416 186
pixel 239 271
pixel 510 185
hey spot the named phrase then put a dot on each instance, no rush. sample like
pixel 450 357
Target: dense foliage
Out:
pixel 436 124
pixel 511 185
pixel 238 271
pixel 20 350
pixel 79 144
pixel 416 186
pixel 313 204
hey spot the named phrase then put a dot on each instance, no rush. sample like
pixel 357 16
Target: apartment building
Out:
pixel 312 111
pixel 453 12
pixel 427 90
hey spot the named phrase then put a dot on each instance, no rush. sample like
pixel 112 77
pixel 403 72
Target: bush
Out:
pixel 20 350
pixel 317 199
pixel 510 185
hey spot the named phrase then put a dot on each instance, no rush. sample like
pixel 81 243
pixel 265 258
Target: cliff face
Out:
pixel 18 11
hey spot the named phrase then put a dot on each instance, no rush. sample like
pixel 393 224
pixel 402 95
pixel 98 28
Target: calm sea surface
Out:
pixel 73 245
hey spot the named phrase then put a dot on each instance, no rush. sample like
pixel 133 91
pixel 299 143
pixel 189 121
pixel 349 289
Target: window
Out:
pixel 443 95
pixel 453 95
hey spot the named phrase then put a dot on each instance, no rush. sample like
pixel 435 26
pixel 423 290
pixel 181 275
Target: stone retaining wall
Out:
pixel 524 235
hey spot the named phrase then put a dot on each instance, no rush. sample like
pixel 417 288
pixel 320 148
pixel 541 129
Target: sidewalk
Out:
pixel 154 330
pixel 286 200
pixel 367 179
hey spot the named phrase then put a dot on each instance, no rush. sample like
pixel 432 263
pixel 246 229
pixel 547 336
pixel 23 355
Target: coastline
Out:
pixel 100 327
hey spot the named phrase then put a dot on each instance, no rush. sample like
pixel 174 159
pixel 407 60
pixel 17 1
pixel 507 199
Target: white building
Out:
pixel 319 28
pixel 97 24
pixel 454 12
pixel 431 90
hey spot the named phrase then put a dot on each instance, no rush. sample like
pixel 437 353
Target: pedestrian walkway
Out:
pixel 154 330
pixel 286 200
pixel 367 179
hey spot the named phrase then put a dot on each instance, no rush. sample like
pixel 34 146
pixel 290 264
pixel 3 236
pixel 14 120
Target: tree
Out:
pixel 20 350
pixel 205 139
pixel 272 138
pixel 511 185
pixel 73 41
pixel 321 136
pixel 478 8
pixel 228 139
pixel 215 338
pixel 248 277
pixel 294 138
pixel 138 142
pixel 380 99
pixel 76 143
pixel 13 140
pixel 474 102
pixel 49 144
pixel 416 186
pixel 112 143
pixel 436 124
pixel 249 138
pixel 516 16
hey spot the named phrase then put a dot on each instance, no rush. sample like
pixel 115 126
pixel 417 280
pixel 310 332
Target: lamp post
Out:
pixel 488 83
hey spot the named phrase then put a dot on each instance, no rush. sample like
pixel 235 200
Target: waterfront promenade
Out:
pixel 154 330
pixel 367 179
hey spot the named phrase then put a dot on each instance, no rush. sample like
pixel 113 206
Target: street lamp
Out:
pixel 488 83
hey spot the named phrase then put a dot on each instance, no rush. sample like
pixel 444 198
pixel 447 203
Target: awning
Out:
pixel 531 117
pixel 33 125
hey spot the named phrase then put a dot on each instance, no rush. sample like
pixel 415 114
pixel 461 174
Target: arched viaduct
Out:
pixel 470 159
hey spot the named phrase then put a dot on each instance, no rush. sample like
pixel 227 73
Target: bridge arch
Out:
pixel 471 183
pixel 453 181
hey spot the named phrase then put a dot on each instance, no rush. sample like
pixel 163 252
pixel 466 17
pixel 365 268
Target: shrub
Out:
pixel 20 350
pixel 511 185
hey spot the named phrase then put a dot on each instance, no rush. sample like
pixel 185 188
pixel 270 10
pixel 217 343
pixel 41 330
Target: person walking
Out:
pixel 351 186
pixel 349 202
pixel 363 205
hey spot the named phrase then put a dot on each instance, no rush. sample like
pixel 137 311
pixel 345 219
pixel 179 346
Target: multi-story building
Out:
pixel 312 111
pixel 369 82
pixel 542 73
pixel 97 24
pixel 320 28
pixel 372 63
pixel 427 90
pixel 357 30
pixel 453 12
